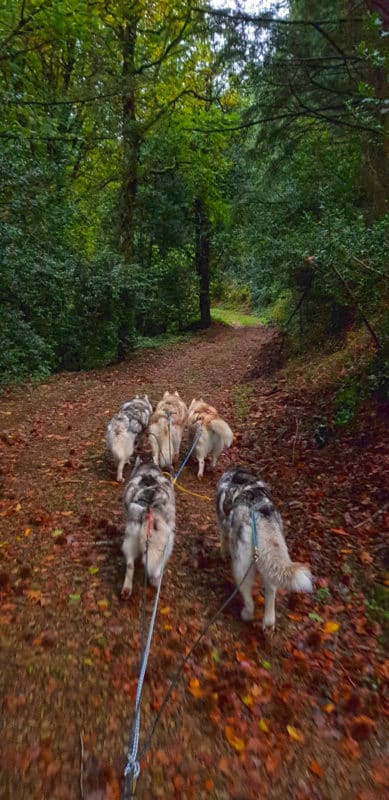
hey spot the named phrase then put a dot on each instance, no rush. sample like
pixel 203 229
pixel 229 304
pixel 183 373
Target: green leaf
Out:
pixel 315 617
pixel 74 598
pixel 93 570
pixel 266 664
pixel 57 532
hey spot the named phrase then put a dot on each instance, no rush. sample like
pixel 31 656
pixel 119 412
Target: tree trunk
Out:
pixel 131 143
pixel 202 247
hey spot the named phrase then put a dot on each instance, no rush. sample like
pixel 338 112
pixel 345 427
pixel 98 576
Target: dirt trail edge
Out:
pixel 298 716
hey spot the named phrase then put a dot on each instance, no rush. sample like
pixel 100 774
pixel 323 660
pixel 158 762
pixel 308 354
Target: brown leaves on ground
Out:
pixel 251 717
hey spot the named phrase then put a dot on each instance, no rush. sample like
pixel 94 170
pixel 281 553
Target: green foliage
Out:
pixel 323 595
pixel 242 396
pixel 116 122
pixel 228 316
pixel 346 402
pixel 23 353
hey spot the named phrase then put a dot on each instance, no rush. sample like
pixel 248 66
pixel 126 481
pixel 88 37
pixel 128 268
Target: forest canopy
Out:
pixel 157 156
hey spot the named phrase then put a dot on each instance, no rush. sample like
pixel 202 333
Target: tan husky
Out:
pixel 166 429
pixel 210 432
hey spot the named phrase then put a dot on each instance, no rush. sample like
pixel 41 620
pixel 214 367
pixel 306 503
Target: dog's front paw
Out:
pixel 120 479
pixel 125 594
pixel 247 615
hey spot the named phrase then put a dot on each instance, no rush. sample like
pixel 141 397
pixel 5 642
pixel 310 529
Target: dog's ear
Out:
pixel 192 403
pixel 136 397
pixel 145 397
pixel 166 394
pixel 176 394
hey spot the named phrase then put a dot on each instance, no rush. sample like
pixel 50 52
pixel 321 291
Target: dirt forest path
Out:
pixel 298 716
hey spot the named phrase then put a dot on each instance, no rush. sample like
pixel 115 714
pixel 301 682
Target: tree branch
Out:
pixel 259 20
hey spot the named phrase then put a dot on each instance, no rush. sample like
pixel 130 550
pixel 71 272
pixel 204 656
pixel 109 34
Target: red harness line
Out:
pixel 148 529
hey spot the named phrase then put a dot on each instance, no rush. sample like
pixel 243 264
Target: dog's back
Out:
pixel 166 428
pixel 138 410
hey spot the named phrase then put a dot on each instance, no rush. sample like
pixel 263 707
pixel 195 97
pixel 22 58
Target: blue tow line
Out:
pixel 186 459
pixel 132 769
pixel 254 531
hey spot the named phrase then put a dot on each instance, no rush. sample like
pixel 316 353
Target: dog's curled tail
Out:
pixel 222 430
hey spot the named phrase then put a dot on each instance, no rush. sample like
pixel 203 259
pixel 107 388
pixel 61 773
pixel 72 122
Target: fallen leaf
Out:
pixel 295 734
pixel 164 611
pixel 331 627
pixel 74 598
pixel 34 595
pixel 340 531
pixel 102 604
pixel 365 557
pixel 247 700
pixel 27 531
pixel 328 708
pixel 381 775
pixel 234 741
pixel 194 688
pixel 57 532
pixel 362 727
pixel 209 785
pixel 18 507
pixel 315 617
pixel 263 726
pixel 93 570
pixel 316 768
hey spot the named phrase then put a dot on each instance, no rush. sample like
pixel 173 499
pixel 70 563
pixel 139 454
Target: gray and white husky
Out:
pixel 239 495
pixel 124 429
pixel 151 510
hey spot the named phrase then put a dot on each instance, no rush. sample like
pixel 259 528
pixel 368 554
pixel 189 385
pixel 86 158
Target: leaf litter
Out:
pixel 251 716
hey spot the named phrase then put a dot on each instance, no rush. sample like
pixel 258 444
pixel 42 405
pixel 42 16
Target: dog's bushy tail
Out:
pixel 274 562
pixel 222 431
pixel 297 578
pixel 284 573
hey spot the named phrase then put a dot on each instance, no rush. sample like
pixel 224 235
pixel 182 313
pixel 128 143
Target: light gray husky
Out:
pixel 240 496
pixel 150 507
pixel 124 429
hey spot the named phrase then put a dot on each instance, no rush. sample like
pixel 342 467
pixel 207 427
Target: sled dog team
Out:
pixel 251 527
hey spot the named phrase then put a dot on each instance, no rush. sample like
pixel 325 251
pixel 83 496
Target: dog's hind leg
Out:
pixel 130 551
pixel 127 585
pixel 119 474
pixel 201 468
pixel 269 617
pixel 244 580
